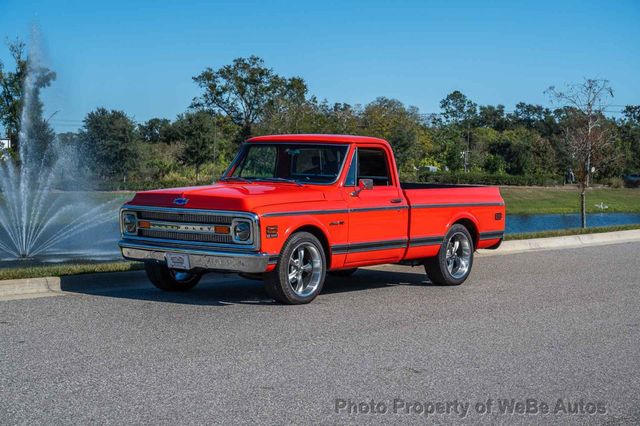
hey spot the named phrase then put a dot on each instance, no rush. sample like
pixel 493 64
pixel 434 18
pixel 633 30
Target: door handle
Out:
pixel 396 200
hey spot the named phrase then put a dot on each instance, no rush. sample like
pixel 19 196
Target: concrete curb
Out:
pixel 569 241
pixel 51 286
pixel 29 288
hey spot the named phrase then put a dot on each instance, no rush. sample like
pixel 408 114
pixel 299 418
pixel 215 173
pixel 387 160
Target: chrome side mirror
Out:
pixel 362 185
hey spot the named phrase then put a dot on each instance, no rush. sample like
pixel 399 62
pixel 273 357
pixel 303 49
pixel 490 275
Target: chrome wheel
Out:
pixel 304 269
pixel 458 256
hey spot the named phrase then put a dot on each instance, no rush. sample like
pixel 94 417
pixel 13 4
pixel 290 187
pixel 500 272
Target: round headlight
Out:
pixel 129 223
pixel 242 231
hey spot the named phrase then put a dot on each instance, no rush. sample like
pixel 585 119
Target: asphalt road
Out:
pixel 544 326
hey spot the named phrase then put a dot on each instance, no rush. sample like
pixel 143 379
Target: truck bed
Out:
pixel 435 207
pixel 421 185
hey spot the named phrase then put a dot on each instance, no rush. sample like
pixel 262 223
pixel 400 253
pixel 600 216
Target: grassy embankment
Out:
pixel 519 200
pixel 541 200
pixel 572 231
pixel 66 269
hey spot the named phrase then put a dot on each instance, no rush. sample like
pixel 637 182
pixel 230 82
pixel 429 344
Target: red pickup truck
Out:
pixel 292 208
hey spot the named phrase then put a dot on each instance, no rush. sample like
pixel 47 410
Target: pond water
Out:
pixel 103 240
pixel 517 224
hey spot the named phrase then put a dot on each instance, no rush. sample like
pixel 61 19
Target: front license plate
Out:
pixel 178 261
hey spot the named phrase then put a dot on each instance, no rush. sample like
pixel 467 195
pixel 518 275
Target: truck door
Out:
pixel 378 214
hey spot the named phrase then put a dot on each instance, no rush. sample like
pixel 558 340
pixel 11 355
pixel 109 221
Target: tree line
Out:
pixel 464 141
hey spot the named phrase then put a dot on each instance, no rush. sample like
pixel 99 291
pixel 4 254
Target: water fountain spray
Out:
pixel 35 216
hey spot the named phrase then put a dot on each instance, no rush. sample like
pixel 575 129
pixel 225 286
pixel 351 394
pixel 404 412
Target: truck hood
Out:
pixel 230 196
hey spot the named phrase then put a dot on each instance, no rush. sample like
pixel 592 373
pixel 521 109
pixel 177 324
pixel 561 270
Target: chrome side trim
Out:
pixel 305 212
pixel 199 259
pixel 369 209
pixel 336 211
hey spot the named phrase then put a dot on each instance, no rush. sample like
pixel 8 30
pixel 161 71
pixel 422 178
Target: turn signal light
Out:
pixel 222 230
pixel 144 224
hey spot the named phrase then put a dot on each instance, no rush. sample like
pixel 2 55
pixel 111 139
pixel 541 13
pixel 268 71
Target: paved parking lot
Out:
pixel 546 326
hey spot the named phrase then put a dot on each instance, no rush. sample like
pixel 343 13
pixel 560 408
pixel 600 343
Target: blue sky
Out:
pixel 139 56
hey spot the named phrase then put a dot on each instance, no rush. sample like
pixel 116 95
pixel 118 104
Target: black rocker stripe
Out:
pixel 369 246
pixel 491 235
pixel 426 241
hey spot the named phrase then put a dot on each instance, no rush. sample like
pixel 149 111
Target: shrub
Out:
pixel 482 178
pixel 614 182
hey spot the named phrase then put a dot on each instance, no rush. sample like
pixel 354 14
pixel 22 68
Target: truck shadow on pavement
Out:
pixel 225 289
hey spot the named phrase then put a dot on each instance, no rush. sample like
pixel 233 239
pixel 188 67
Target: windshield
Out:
pixel 302 163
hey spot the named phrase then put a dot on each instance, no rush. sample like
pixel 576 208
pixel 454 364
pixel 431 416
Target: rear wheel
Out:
pixel 299 275
pixel 453 263
pixel 343 272
pixel 171 279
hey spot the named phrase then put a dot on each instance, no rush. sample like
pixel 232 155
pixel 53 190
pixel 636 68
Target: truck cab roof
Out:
pixel 317 138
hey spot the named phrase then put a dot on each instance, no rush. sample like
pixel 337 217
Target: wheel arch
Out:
pixel 471 226
pixel 320 235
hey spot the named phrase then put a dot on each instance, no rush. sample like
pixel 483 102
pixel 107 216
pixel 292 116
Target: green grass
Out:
pixel 519 200
pixel 66 269
pixel 573 231
pixel 542 200
pixel 92 268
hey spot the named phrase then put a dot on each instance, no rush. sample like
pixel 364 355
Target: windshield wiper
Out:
pixel 279 179
pixel 234 178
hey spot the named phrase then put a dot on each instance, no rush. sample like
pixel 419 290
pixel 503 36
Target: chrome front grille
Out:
pixel 166 225
pixel 185 217
pixel 169 235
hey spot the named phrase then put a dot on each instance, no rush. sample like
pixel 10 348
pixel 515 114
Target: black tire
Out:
pixel 167 279
pixel 277 282
pixel 343 272
pixel 437 267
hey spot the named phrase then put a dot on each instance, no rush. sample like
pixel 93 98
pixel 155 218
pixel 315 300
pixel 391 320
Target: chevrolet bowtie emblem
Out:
pixel 180 201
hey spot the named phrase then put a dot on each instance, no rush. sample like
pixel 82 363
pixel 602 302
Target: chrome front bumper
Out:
pixel 200 259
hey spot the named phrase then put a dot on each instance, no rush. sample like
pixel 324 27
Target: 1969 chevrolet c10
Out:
pixel 292 208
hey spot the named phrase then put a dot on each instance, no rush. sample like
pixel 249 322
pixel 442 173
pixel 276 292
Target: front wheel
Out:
pixel 299 275
pixel 453 263
pixel 171 279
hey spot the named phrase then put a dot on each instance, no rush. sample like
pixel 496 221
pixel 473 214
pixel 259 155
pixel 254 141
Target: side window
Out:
pixel 372 164
pixel 353 168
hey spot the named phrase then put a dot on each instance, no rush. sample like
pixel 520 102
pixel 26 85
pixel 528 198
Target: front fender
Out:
pixel 288 225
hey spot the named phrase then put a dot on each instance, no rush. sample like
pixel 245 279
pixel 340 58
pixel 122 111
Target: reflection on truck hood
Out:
pixel 231 196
